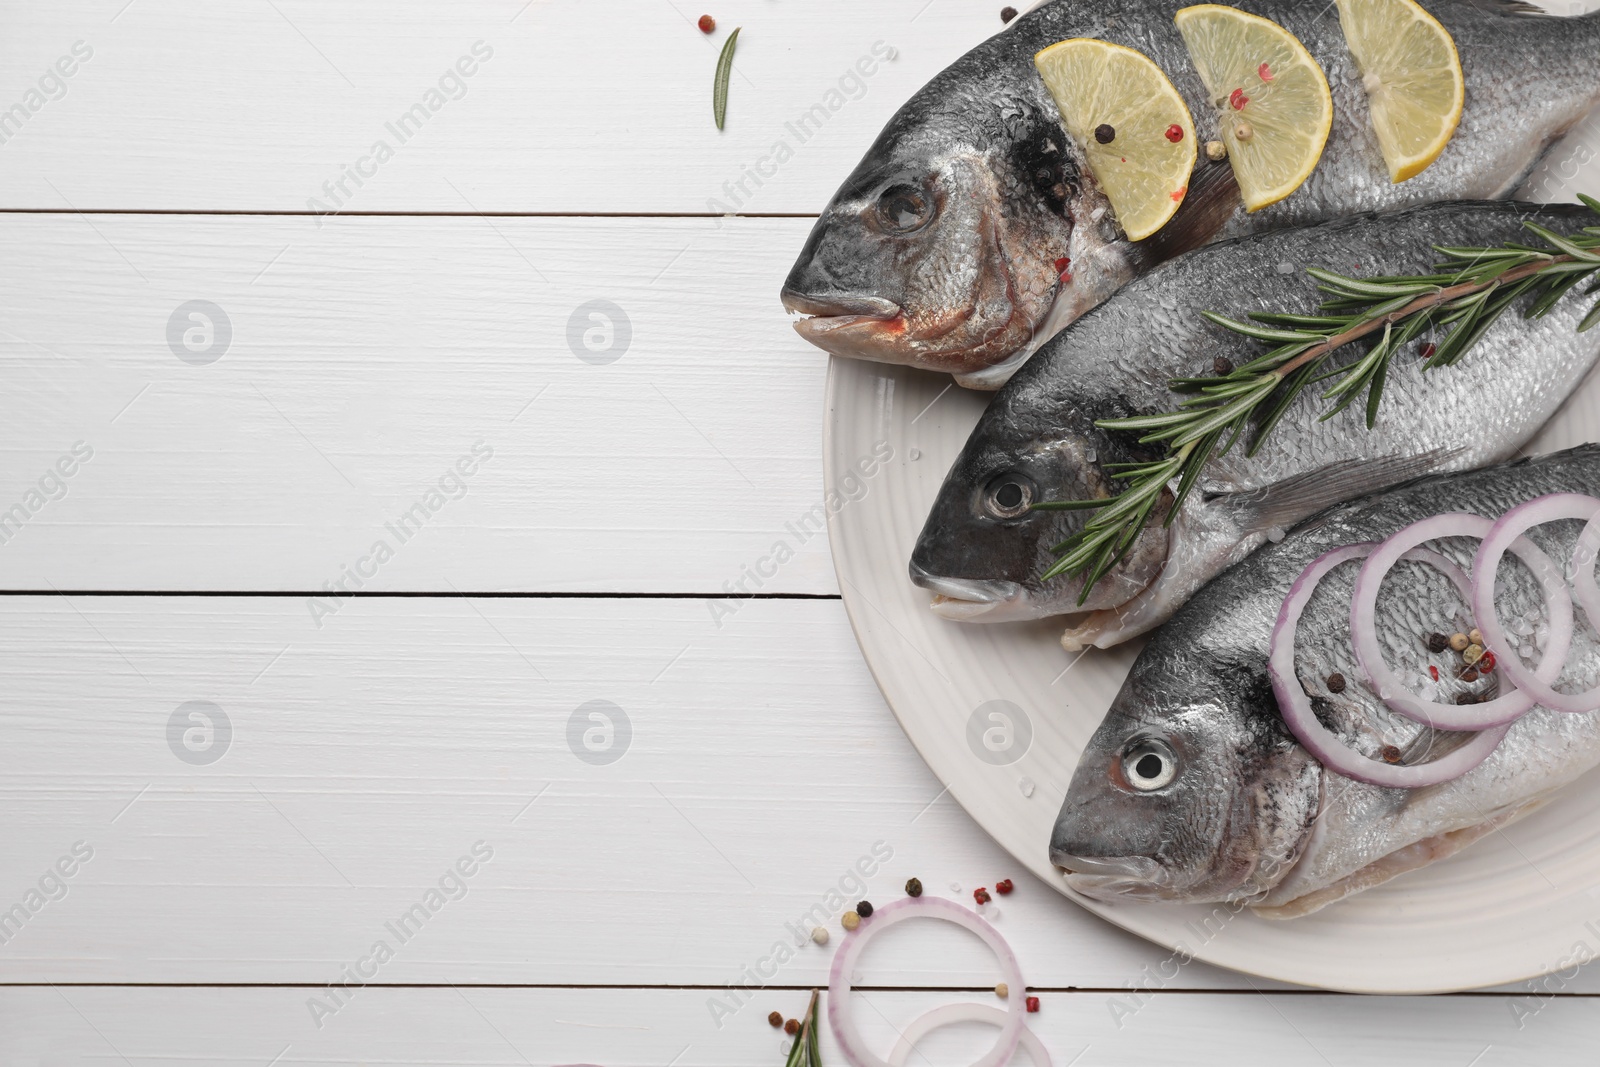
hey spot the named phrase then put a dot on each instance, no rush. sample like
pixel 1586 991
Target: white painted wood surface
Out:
pixel 367 754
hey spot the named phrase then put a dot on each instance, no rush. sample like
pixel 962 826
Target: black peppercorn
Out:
pixel 1437 642
pixel 1105 133
pixel 1336 682
pixel 913 887
pixel 864 909
pixel 1007 14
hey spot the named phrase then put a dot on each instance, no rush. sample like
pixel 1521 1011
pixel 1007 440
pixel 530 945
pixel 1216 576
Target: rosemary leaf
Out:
pixel 719 86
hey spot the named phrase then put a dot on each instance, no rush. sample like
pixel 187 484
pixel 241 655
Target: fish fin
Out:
pixel 1288 502
pixel 1212 198
pixel 1509 7
pixel 1408 858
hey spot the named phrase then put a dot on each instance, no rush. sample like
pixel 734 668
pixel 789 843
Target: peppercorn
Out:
pixel 1335 682
pixel 1002 990
pixel 1105 133
pixel 1466 698
pixel 1216 151
pixel 1237 100
pixel 1003 886
pixel 819 934
pixel 1222 365
pixel 1459 642
pixel 775 1018
pixel 1007 14
pixel 1032 1003
pixel 981 895
pixel 1428 350
pixel 1437 642
pixel 1475 635
pixel 1433 672
pixel 1469 674
pixel 1390 754
pixel 913 887
pixel 849 920
pixel 1244 131
pixel 1174 133
pixel 792 1027
pixel 864 909
pixel 707 24
pixel 1264 72
pixel 1486 664
pixel 1473 654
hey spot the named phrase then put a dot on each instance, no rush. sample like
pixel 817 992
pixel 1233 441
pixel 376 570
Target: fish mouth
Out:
pixel 858 327
pixel 973 599
pixel 1113 877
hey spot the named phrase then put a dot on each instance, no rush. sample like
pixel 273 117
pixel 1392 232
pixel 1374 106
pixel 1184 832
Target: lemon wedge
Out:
pixel 1136 132
pixel 1412 75
pixel 1274 110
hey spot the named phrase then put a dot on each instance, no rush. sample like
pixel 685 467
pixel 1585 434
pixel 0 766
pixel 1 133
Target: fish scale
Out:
pixel 1118 361
pixel 1201 683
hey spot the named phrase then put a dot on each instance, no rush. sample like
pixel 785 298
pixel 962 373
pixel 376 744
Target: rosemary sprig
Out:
pixel 806 1050
pixel 1459 301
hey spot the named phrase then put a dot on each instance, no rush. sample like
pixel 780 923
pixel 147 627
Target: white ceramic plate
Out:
pixel 1512 906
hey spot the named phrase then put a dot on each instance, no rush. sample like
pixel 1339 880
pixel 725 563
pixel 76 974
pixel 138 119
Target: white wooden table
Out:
pixel 246 852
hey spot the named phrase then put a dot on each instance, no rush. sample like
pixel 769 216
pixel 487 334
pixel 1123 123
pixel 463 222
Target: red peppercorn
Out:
pixel 1238 100
pixel 1033 1003
pixel 981 895
pixel 1179 194
pixel 707 24
pixel 1062 264
pixel 1174 133
pixel 1428 350
pixel 1003 886
pixel 1433 671
pixel 1485 664
pixel 1265 72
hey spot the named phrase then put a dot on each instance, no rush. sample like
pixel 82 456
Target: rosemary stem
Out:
pixel 1421 303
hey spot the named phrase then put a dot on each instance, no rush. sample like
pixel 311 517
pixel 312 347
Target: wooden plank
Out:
pixel 255 106
pixel 360 761
pixel 365 361
pixel 251 1027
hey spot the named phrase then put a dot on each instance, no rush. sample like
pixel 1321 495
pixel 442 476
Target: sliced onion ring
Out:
pixel 1583 583
pixel 949 1015
pixel 1295 705
pixel 924 907
pixel 1388 685
pixel 1506 530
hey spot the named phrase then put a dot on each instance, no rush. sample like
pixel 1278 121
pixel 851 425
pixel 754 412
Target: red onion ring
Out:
pixel 1506 530
pixel 1363 626
pixel 949 1015
pixel 924 907
pixel 1583 583
pixel 1295 705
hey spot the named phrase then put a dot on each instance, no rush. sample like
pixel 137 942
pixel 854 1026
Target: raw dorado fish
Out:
pixel 984 559
pixel 1248 814
pixel 972 230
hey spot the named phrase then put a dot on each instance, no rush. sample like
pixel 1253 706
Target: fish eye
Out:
pixel 1149 764
pixel 1009 495
pixel 904 209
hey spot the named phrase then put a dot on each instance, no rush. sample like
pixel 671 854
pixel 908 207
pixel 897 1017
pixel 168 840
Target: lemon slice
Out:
pixel 1412 75
pixel 1273 106
pixel 1135 129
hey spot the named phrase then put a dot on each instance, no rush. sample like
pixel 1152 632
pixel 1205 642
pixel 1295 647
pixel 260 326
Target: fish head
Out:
pixel 984 546
pixel 1191 789
pixel 950 244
